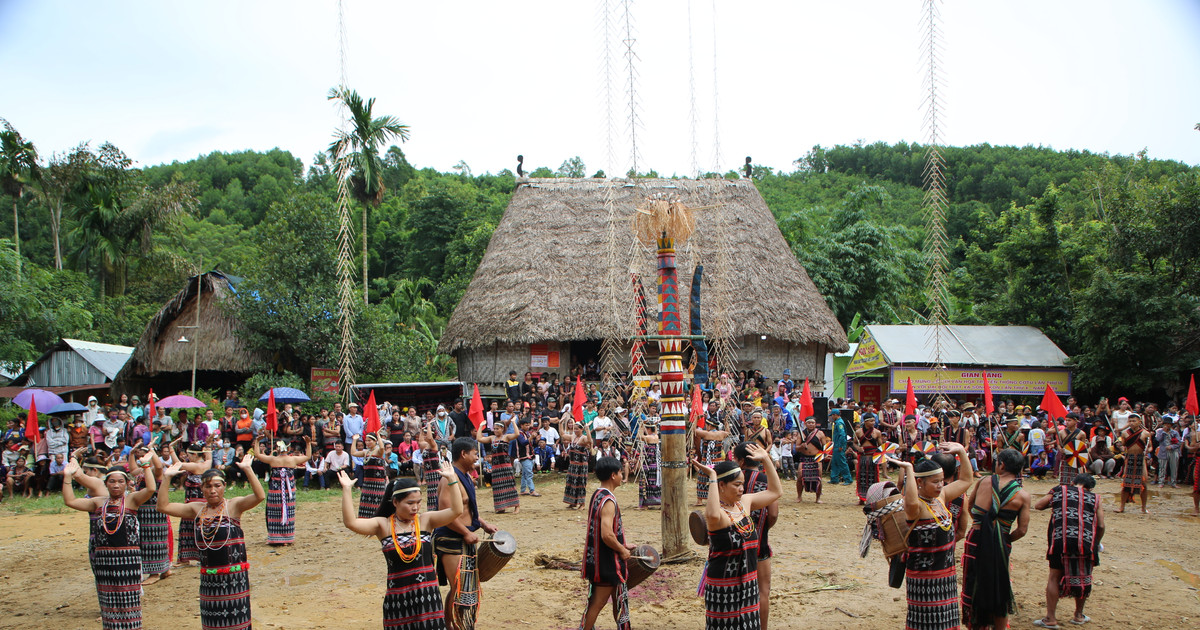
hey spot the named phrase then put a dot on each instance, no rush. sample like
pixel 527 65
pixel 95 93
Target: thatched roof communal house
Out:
pixel 539 300
pixel 162 361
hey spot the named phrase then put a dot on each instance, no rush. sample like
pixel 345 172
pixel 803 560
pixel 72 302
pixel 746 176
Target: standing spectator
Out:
pixel 462 424
pixel 352 424
pixel 405 450
pixel 412 422
pixel 213 425
pixel 243 430
pixel 526 443
pixel 231 399
pixel 78 434
pixel 58 439
pixel 93 412
pixel 113 428
pixel 512 387
pixel 136 410
pixel 1120 417
pixel 395 423
pixel 332 431
pixel 1168 452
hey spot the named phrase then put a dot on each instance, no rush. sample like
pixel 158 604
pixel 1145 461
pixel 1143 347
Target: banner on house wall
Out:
pixel 543 355
pixel 958 380
pixel 323 380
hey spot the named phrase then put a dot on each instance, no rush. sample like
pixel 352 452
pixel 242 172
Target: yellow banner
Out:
pixel 1017 382
pixel 867 357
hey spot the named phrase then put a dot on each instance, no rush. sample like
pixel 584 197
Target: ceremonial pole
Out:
pixel 673 401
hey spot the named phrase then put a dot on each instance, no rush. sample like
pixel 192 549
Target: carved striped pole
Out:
pixel 674 404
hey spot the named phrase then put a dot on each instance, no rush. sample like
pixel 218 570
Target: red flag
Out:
pixel 1191 405
pixel 697 412
pixel 577 400
pixel 272 415
pixel 476 411
pixel 1052 405
pixel 910 401
pixel 988 405
pixel 31 423
pixel 150 408
pixel 371 415
pixel 806 404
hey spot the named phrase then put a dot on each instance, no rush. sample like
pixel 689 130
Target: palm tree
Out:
pixel 18 168
pixel 360 145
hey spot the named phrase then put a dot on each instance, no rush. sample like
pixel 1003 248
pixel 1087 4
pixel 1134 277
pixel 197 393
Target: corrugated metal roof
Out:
pixel 1017 346
pixel 106 357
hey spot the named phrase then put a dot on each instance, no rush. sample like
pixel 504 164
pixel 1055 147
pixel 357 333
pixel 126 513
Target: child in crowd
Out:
pixel 1040 466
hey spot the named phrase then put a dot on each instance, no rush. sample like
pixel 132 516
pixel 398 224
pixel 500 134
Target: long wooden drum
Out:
pixel 493 554
pixel 642 566
pixel 698 525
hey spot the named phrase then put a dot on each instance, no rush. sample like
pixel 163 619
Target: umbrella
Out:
pixel 67 407
pixel 180 401
pixel 286 395
pixel 45 399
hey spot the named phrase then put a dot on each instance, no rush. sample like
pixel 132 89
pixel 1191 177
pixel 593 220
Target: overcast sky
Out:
pixel 481 81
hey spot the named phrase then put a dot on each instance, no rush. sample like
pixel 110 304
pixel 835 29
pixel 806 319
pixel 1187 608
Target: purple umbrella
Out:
pixel 45 400
pixel 180 401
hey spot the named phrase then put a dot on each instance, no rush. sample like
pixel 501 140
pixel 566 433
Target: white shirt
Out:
pixel 601 426
pixel 1037 437
pixel 337 461
pixel 550 434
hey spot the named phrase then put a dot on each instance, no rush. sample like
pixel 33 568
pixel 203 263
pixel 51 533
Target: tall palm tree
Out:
pixel 360 145
pixel 18 168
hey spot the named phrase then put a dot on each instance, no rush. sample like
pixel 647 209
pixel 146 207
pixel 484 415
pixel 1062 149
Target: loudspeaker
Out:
pixel 821 411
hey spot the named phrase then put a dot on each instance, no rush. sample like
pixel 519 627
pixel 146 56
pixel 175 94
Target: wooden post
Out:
pixel 674 408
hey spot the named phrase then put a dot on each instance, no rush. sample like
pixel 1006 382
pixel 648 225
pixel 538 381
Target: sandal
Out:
pixel 1080 622
pixel 534 494
pixel 1041 623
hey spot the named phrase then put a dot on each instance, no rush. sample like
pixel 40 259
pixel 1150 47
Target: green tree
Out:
pixel 573 167
pixel 360 144
pixel 59 182
pixel 18 169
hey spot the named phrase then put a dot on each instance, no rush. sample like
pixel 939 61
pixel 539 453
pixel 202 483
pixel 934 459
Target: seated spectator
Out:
pixel 1102 459
pixel 20 477
pixel 312 470
pixel 544 454
pixel 56 473
pixel 1040 466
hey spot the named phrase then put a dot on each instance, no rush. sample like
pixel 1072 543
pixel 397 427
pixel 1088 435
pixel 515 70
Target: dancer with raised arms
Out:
pixel 406 535
pixel 281 492
pixel 764 520
pixel 113 549
pixel 374 479
pixel 504 483
pixel 195 461
pixel 730 583
pixel 224 566
pixel 930 575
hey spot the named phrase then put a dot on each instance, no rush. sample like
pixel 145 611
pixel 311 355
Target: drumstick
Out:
pixel 647 558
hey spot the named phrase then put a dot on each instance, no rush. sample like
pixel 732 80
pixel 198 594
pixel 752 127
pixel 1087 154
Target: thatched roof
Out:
pixel 217 346
pixel 520 294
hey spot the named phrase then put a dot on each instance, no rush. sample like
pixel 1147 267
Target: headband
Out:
pixel 91 465
pixel 732 472
pixel 403 491
pixel 116 472
pixel 927 473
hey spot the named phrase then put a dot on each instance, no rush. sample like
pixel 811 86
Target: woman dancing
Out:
pixel 431 463
pixel 113 546
pixel 730 583
pixel 578 452
pixel 930 575
pixel 374 473
pixel 194 462
pixel 649 485
pixel 281 493
pixel 224 576
pixel 155 526
pixel 406 535
pixel 504 486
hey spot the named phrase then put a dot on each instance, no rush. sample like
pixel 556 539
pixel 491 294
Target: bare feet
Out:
pixel 150 579
pixel 819 501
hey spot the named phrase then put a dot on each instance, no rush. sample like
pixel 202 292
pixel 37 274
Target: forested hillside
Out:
pixel 1099 251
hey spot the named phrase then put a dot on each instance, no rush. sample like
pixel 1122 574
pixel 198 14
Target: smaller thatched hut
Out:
pixel 176 341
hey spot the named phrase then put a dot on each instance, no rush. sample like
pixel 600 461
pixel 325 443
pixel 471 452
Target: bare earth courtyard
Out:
pixel 1148 576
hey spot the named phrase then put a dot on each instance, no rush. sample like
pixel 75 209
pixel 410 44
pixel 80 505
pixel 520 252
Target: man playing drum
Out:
pixel 606 554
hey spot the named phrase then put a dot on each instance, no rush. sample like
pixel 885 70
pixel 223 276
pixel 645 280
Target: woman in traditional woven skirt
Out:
pixel 996 503
pixel 281 492
pixel 649 485
pixel 711 440
pixel 113 546
pixel 930 574
pixel 194 462
pixel 155 526
pixel 224 566
pixel 405 533
pixel 867 440
pixel 374 479
pixel 730 582
pixel 504 485
pixel 431 464
pixel 576 488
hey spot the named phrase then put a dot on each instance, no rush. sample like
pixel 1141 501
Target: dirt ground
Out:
pixel 331 578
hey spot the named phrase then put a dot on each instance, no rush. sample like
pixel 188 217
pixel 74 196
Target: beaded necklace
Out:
pixel 407 557
pixel 949 521
pixel 744 530
pixel 105 513
pixel 208 526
